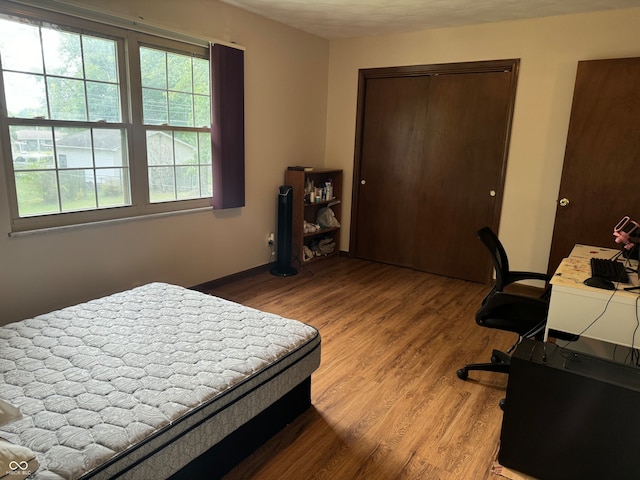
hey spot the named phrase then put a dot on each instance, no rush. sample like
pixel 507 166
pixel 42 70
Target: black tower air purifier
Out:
pixel 283 266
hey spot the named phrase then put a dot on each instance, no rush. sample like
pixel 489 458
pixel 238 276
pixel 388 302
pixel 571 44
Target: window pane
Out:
pixel 76 146
pixel 204 148
pixel 34 167
pixel 77 190
pixel 201 76
pixel 31 148
pixel 187 182
pixel 26 97
pixel 37 193
pixel 67 99
pixel 180 109
pixel 159 148
pixel 161 184
pixel 112 186
pixel 206 181
pixel 155 107
pixel 202 106
pixel 100 59
pixel 110 148
pixel 179 73
pixel 62 53
pixel 104 102
pixel 186 148
pixel 204 158
pixel 153 64
pixel 26 58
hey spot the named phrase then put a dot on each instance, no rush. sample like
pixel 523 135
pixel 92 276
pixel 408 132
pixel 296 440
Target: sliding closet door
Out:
pixel 462 171
pixel 431 149
pixel 392 150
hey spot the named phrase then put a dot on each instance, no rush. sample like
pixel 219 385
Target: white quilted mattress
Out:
pixel 106 386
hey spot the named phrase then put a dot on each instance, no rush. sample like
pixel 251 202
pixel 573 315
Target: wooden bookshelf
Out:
pixel 304 209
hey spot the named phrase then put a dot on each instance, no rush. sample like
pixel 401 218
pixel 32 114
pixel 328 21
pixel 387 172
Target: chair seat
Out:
pixel 513 313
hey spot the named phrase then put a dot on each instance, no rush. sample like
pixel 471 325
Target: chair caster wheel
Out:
pixel 501 403
pixel 495 359
pixel 463 374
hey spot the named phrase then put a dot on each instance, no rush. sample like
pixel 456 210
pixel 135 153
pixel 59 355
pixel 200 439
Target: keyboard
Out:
pixel 609 269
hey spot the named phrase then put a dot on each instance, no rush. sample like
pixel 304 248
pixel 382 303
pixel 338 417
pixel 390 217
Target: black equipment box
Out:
pixel 569 415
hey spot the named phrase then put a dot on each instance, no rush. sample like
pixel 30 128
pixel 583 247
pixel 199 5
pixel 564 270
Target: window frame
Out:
pixel 128 59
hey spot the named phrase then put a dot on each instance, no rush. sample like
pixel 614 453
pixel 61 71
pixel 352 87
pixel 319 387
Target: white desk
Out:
pixel 579 309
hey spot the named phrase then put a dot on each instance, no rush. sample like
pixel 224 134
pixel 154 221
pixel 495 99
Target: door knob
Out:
pixel 363 181
pixel 492 193
pixel 564 202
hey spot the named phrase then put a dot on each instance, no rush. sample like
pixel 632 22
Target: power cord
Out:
pixel 613 292
pixel 633 356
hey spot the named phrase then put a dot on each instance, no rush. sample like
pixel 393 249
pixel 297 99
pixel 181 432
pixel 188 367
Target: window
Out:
pixel 90 133
pixel 175 92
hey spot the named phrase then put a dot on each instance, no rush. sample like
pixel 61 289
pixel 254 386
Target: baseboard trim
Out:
pixel 211 284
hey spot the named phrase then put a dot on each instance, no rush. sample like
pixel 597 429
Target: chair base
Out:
pixel 500 362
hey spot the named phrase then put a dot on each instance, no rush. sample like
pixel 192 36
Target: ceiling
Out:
pixel 334 19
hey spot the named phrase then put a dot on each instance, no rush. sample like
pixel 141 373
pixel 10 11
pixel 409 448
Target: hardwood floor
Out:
pixel 387 403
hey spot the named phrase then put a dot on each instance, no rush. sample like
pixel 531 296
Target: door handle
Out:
pixel 363 182
pixel 564 202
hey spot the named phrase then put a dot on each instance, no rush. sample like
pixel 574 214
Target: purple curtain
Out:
pixel 227 126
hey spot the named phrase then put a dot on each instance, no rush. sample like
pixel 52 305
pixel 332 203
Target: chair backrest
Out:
pixel 498 256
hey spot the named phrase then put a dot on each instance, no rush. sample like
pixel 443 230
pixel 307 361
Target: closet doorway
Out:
pixel 430 158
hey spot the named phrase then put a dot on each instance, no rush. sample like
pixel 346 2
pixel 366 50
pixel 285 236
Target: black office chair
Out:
pixel 505 276
pixel 521 314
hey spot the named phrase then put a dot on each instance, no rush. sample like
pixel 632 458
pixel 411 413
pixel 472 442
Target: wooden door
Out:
pixel 430 164
pixel 464 160
pixel 601 172
pixel 393 147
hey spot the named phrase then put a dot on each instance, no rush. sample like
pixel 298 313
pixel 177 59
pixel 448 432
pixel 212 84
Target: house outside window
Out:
pixel 92 134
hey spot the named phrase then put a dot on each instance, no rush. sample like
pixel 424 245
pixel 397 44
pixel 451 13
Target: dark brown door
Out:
pixel 464 160
pixel 429 169
pixel 601 173
pixel 392 152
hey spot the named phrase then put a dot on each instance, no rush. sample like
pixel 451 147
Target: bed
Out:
pixel 155 382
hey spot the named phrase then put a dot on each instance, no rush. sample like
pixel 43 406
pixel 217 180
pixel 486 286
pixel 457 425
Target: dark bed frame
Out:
pixel 229 452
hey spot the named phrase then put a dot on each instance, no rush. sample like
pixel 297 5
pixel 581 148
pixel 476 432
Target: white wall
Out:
pixel 549 49
pixel 285 110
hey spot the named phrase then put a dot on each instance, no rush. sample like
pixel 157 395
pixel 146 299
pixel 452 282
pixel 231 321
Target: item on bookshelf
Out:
pixel 328 190
pixel 301 168
pixel 327 219
pixel 322 247
pixel 310 227
pixel 315 194
pixel 307 253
